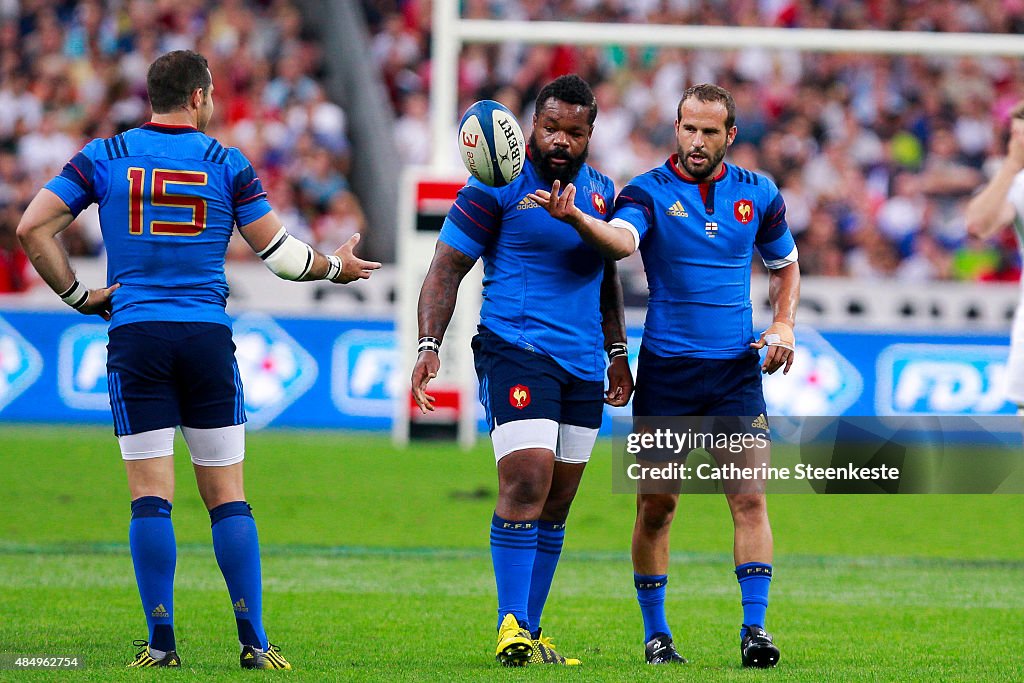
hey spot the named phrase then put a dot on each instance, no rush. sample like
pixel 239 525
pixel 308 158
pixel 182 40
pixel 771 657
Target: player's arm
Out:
pixel 613 325
pixel 434 312
pixel 989 210
pixel 292 259
pixel 610 240
pixel 46 217
pixel 784 295
pixel 775 243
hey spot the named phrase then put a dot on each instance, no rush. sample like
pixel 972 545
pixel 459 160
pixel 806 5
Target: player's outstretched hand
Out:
pixel 561 206
pixel 427 365
pixel 99 301
pixel 352 267
pixel 620 382
pixel 781 347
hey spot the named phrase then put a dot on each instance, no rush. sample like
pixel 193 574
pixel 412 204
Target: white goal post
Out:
pixel 451 33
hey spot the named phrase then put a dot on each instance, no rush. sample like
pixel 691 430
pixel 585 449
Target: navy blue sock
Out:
pixel 550 536
pixel 650 593
pixel 513 550
pixel 754 578
pixel 154 554
pixel 237 547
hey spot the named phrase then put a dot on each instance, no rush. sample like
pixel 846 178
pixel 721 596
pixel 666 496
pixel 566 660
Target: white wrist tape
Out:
pixel 76 295
pixel 333 267
pixel 287 257
pixel 776 340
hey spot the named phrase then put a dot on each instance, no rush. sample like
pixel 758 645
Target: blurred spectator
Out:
pixel 15 272
pixel 412 129
pixel 343 219
pixel 70 72
pixel 319 180
pixel 884 148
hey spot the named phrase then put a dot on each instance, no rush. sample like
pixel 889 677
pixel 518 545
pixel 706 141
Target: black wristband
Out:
pixel 428 344
pixel 75 296
pixel 617 349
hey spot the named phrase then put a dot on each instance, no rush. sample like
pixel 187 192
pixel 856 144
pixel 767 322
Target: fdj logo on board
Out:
pixel 82 367
pixel 366 373
pixel 942 379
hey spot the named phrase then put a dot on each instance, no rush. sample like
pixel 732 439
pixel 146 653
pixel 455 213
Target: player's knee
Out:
pixel 748 508
pixel 556 507
pixel 657 511
pixel 525 491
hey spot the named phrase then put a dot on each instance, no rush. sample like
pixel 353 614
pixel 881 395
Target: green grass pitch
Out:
pixel 376 567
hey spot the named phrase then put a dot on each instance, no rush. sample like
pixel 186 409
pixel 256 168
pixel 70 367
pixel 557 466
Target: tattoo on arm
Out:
pixel 613 318
pixel 440 290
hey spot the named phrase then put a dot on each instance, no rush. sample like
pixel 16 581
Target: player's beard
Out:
pixel 705 171
pixel 549 172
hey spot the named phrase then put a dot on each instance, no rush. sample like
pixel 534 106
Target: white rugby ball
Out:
pixel 491 143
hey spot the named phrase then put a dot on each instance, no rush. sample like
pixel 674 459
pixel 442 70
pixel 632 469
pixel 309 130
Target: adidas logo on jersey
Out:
pixel 160 612
pixel 761 422
pixel 526 203
pixel 677 210
pixel 240 606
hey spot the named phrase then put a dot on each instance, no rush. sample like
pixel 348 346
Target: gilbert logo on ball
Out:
pixel 491 143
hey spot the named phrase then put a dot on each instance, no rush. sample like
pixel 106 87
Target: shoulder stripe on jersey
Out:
pixel 113 149
pixel 249 199
pixel 223 156
pixel 79 172
pixel 481 208
pixel 119 139
pixel 623 195
pixel 213 144
pixel 475 222
pixel 248 185
pixel 661 177
pixel 745 176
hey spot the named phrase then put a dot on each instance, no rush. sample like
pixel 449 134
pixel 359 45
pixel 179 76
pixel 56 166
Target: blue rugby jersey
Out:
pixel 697 241
pixel 169 198
pixel 542 282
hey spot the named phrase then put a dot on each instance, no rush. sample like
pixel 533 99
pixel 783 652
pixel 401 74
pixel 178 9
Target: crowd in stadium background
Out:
pixel 876 155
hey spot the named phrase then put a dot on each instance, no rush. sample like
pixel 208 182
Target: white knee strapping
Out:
pixel 522 434
pixel 217 447
pixel 156 443
pixel 575 443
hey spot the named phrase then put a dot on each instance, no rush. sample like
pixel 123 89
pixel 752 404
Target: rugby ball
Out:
pixel 491 143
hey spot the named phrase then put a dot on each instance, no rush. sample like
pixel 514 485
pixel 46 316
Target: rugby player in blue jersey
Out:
pixel 696 221
pixel 169 197
pixel 549 301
